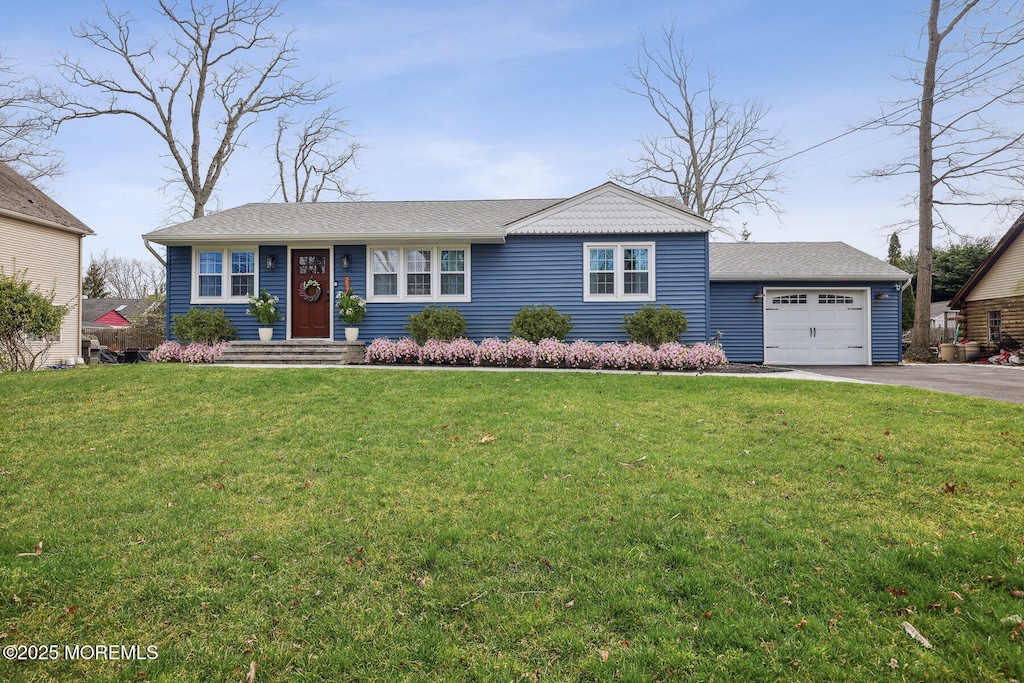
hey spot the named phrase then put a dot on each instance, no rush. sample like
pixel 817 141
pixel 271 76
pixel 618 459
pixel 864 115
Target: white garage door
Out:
pixel 816 327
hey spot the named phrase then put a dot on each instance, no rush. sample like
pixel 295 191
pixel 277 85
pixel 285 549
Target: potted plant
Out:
pixel 264 307
pixel 351 309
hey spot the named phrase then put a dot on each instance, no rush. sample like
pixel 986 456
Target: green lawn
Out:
pixel 363 525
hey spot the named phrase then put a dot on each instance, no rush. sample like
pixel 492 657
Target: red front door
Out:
pixel 311 304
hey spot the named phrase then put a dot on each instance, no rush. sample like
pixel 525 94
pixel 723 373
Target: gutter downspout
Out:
pixel 154 252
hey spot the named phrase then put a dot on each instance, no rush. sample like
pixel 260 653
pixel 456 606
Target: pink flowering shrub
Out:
pixel 168 352
pixel 701 356
pixel 582 354
pixel 520 352
pixel 671 356
pixel 639 356
pixel 407 351
pixel 516 352
pixel 454 352
pixel 491 352
pixel 550 353
pixel 381 350
pixel 202 353
pixel 612 357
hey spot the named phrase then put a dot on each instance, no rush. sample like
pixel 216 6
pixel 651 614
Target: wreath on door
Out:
pixel 308 285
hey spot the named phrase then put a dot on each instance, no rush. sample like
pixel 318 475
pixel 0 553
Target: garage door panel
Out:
pixel 812 326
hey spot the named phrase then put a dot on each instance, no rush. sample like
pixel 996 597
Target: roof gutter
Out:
pixel 336 238
pixel 779 277
pixel 45 223
pixel 154 252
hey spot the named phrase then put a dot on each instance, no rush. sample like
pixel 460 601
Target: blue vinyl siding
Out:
pixel 179 274
pixel 533 270
pixel 740 318
pixel 179 289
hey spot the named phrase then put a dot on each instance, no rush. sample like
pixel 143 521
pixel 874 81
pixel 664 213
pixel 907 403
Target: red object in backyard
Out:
pixel 114 319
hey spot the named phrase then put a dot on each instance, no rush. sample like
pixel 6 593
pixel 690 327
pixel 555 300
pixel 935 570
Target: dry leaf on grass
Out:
pixel 604 655
pixel 39 551
pixel 251 676
pixel 487 438
pixel 913 633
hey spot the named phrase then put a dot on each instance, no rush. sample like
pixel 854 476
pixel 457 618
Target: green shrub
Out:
pixel 203 326
pixel 534 323
pixel 655 325
pixel 29 322
pixel 442 323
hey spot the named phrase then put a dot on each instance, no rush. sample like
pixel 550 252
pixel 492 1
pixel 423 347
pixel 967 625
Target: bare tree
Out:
pixel 25 139
pixel 314 156
pixel 128 278
pixel 718 157
pixel 221 67
pixel 968 81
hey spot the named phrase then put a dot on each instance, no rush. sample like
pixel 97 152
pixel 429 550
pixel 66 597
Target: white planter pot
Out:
pixel 266 333
pixel 351 334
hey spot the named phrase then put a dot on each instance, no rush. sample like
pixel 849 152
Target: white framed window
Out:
pixel 618 271
pixel 995 326
pixel 223 274
pixel 419 273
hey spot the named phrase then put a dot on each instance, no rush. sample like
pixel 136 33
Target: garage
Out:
pixel 811 326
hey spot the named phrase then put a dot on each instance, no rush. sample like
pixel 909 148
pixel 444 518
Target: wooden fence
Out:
pixel 123 338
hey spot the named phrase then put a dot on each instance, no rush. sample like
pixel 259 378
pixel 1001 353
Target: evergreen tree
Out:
pixel 909 304
pixel 94 285
pixel 895 250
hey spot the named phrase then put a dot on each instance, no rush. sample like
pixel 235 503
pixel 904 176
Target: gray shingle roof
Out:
pixel 606 207
pixel 130 309
pixel 369 220
pixel 797 261
pixel 19 196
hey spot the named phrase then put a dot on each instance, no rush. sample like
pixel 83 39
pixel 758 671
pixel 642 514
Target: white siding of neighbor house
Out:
pixel 1006 276
pixel 53 259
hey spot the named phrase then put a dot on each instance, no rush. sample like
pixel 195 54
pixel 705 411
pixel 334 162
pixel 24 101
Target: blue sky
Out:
pixel 466 100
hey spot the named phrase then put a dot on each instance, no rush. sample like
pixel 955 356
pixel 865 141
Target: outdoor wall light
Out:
pixel 345 260
pixel 881 295
pixel 758 295
pixel 271 262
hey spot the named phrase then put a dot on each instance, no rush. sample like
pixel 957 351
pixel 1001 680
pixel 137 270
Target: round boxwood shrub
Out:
pixel 534 323
pixel 655 325
pixel 444 324
pixel 203 326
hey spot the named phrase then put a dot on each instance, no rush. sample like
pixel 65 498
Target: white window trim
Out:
pixel 619 294
pixel 435 274
pixel 225 274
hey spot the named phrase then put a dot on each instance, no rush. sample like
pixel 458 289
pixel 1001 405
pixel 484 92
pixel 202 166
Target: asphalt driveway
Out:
pixel 1003 383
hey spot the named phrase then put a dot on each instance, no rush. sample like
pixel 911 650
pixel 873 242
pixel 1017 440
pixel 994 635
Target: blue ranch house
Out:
pixel 597 256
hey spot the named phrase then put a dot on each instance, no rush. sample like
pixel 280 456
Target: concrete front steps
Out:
pixel 294 352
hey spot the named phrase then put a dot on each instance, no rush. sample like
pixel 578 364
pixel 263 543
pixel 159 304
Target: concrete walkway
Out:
pixel 999 382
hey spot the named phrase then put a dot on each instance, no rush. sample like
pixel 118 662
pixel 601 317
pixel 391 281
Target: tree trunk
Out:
pixel 920 346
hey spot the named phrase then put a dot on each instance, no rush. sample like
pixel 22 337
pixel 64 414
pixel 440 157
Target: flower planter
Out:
pixel 351 334
pixel 266 333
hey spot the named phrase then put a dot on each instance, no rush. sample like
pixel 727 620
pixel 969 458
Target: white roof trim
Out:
pixel 782 277
pixel 321 238
pixel 681 220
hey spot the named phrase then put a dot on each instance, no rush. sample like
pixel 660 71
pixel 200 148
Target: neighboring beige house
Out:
pixel 40 236
pixel 991 302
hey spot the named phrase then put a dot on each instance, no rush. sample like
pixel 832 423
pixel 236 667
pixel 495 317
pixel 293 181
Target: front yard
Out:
pixel 388 525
